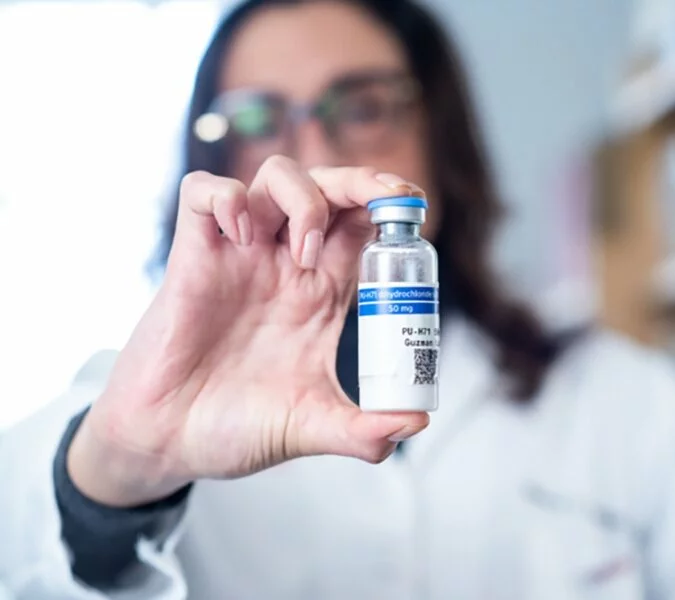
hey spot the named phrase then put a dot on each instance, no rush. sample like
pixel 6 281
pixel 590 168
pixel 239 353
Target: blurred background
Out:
pixel 577 99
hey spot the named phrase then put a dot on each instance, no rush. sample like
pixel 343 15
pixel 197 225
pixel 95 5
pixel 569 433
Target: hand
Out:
pixel 232 368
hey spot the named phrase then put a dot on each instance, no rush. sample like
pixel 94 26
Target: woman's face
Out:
pixel 324 83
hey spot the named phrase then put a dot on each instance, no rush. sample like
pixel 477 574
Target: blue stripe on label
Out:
pixel 401 293
pixel 397 308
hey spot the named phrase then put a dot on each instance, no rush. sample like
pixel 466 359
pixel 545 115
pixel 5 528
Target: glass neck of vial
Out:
pixel 396 231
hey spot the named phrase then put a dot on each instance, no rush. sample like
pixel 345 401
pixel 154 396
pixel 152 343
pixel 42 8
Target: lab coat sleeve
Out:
pixel 658 487
pixel 34 561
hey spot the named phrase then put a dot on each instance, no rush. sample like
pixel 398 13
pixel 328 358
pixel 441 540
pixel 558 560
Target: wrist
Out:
pixel 115 476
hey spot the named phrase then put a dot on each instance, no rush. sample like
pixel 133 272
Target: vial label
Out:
pixel 399 334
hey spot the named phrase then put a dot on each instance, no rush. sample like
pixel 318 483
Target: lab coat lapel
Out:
pixel 467 376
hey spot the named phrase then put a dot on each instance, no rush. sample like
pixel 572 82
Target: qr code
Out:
pixel 426 360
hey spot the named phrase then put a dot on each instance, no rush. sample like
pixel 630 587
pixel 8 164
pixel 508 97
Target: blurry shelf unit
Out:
pixel 664 289
pixel 631 236
pixel 664 285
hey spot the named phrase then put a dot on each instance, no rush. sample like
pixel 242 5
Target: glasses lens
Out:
pixel 256 128
pixel 255 117
pixel 366 116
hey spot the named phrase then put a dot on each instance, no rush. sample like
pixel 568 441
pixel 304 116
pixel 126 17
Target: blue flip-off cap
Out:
pixel 404 201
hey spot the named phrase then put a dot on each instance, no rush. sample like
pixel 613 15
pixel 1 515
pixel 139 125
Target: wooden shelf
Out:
pixel 630 241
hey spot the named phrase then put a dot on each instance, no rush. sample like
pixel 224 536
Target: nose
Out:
pixel 313 148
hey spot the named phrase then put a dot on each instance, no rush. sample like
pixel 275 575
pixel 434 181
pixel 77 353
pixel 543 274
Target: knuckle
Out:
pixel 192 180
pixel 319 170
pixel 233 189
pixel 366 172
pixel 310 211
pixel 278 162
pixel 378 453
pixel 222 189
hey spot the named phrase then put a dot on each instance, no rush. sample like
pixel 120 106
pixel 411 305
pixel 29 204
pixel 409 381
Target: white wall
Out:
pixel 543 71
pixel 92 103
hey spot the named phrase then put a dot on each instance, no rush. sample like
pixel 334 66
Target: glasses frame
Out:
pixel 295 114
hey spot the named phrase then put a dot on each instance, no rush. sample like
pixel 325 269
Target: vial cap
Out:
pixel 404 201
pixel 401 209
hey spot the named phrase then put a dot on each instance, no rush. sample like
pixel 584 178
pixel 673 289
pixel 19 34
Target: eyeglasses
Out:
pixel 358 113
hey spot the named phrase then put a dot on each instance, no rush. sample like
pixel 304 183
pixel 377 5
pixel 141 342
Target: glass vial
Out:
pixel 399 324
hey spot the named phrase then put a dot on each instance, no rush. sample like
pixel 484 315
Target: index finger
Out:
pixel 351 187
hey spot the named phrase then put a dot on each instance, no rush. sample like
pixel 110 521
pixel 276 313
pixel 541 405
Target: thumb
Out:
pixel 349 431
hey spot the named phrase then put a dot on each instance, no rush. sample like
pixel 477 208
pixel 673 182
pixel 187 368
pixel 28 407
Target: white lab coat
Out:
pixel 570 498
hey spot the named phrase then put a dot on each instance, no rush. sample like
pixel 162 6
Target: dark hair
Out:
pixel 471 209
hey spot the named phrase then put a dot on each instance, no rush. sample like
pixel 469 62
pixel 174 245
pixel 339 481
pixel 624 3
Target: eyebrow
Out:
pixel 366 76
pixel 345 80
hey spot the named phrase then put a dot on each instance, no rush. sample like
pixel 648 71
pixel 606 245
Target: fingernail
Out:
pixel 311 249
pixel 391 180
pixel 403 434
pixel 416 190
pixel 245 229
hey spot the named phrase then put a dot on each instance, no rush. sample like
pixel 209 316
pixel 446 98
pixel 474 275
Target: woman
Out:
pixel 539 477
